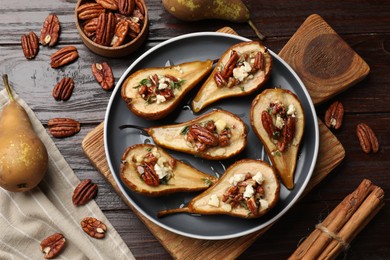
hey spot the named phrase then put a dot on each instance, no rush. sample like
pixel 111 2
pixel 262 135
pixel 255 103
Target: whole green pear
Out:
pixel 23 156
pixel 195 10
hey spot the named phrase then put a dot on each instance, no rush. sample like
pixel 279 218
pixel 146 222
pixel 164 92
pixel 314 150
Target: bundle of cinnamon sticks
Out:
pixel 341 226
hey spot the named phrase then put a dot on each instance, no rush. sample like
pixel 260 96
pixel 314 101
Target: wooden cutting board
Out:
pixel 331 152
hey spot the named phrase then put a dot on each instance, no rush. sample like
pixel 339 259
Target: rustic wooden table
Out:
pixel 364 25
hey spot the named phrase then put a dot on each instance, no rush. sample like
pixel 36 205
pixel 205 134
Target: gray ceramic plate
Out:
pixel 202 46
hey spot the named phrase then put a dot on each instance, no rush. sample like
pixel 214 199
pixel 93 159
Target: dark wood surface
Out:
pixel 364 25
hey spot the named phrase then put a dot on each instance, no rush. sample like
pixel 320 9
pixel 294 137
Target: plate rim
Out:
pixel 219 237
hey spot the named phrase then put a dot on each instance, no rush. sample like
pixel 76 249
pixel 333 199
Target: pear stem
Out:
pixel 5 79
pixel 258 33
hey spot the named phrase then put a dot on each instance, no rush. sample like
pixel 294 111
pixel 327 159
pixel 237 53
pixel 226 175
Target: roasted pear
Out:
pixel 248 189
pixel 241 70
pixel 149 170
pixel 23 156
pixel 153 93
pixel 278 119
pixel 216 135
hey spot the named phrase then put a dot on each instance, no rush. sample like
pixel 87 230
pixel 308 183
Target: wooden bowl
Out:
pixel 113 52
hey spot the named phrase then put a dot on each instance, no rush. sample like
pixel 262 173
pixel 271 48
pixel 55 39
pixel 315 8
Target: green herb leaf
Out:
pixel 184 131
pixel 207 181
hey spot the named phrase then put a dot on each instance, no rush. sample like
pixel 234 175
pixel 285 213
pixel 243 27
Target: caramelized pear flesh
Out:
pixel 153 93
pixel 216 135
pixel 23 156
pixel 278 119
pixel 240 71
pixel 248 189
pixel 149 170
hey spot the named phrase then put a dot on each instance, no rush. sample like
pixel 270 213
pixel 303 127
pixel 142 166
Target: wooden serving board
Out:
pixel 331 152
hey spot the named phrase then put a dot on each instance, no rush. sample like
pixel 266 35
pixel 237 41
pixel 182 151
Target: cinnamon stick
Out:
pixel 369 208
pixel 342 224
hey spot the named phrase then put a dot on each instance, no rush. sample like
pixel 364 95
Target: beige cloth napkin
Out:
pixel 27 218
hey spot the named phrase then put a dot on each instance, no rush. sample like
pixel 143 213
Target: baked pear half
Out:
pixel 240 71
pixel 216 135
pixel 248 189
pixel 149 170
pixel 278 119
pixel 153 93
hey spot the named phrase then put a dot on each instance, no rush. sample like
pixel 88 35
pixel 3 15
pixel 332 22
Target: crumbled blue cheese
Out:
pixel 242 72
pixel 226 207
pixel 160 99
pixel 263 204
pixel 291 110
pixel 258 178
pixel 236 178
pixel 160 171
pixel 279 122
pixel 249 191
pixel 214 201
pixel 220 125
pixel 179 69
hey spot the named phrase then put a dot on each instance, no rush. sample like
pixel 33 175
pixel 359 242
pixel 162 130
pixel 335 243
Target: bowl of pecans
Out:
pixel 112 28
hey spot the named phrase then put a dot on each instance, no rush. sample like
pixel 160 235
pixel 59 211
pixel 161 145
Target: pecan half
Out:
pixel 105 29
pixel 30 45
pixel 93 227
pixel 63 127
pixel 108 4
pixel 64 56
pixel 64 89
pixel 84 192
pixel 230 65
pixel 89 10
pixel 334 115
pixel 252 205
pixel 140 6
pixel 289 130
pixel 259 61
pixel 148 174
pixel 120 34
pixel 266 120
pixel 90 26
pixel 52 245
pixel 203 135
pixel 103 74
pixel 367 139
pixel 126 7
pixel 50 30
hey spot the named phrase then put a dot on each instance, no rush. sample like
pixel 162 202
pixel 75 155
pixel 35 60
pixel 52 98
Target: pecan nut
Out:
pixel 230 65
pixel 126 7
pixel 148 175
pixel 52 245
pixel 103 74
pixel 203 135
pixel 108 4
pixel 64 56
pixel 140 6
pixel 93 227
pixel 367 139
pixel 89 10
pixel 120 34
pixel 105 28
pixel 90 26
pixel 63 127
pixel 266 120
pixel 84 192
pixel 50 30
pixel 64 89
pixel 334 115
pixel 30 45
